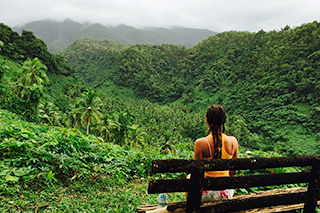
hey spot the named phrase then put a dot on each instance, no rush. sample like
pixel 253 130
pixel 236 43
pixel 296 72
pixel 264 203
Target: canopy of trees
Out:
pixel 267 81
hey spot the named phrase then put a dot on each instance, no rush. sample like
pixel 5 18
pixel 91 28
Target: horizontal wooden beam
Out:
pixel 182 204
pixel 184 165
pixel 220 183
pixel 256 202
pixel 171 165
pixel 256 180
pixel 165 186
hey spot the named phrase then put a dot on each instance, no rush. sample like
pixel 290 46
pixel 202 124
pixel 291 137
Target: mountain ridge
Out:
pixel 60 34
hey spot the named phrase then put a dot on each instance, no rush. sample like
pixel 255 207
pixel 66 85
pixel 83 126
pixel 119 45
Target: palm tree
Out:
pixel 121 123
pixel 73 118
pixel 32 72
pixel 89 107
pixel 105 129
pixel 137 136
pixel 48 113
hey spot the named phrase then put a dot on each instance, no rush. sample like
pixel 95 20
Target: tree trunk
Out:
pixel 88 125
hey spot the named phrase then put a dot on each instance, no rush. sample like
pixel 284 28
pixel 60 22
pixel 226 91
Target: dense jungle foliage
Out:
pixel 80 133
pixel 267 81
pixel 50 168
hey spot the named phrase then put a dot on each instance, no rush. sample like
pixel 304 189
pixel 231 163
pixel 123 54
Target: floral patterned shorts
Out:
pixel 217 195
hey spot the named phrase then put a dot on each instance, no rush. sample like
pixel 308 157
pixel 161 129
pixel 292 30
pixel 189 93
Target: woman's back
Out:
pixel 204 150
pixel 216 145
pixel 204 147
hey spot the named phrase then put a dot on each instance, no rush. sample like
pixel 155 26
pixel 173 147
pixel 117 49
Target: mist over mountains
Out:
pixel 59 35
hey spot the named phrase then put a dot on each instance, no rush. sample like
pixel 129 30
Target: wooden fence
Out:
pixel 197 182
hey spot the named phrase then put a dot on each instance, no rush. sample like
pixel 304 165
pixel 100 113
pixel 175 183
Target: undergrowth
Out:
pixel 55 169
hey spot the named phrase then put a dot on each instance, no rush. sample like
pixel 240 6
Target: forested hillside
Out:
pixel 60 98
pixel 25 62
pixel 63 141
pixel 102 52
pixel 268 81
pixel 79 133
pixel 58 35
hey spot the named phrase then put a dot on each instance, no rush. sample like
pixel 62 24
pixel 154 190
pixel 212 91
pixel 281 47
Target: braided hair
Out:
pixel 216 117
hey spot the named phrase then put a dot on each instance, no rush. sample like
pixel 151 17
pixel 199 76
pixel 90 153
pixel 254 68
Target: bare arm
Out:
pixel 235 155
pixel 198 147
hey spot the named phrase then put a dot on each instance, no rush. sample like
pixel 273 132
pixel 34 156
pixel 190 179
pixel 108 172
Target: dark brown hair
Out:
pixel 216 117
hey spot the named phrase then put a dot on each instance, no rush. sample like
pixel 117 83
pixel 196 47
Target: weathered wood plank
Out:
pixel 171 165
pixel 220 183
pixel 313 187
pixel 184 165
pixel 165 186
pixel 175 205
pixel 256 202
pixel 195 187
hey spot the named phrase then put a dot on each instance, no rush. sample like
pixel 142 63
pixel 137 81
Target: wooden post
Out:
pixel 313 187
pixel 196 186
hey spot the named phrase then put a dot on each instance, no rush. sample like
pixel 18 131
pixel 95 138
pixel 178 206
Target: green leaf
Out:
pixel 74 177
pixel 254 189
pixel 243 190
pixel 25 135
pixel 50 175
pixel 11 178
pixel 21 172
pixel 5 172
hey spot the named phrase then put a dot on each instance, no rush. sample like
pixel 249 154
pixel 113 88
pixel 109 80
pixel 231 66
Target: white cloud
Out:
pixel 218 15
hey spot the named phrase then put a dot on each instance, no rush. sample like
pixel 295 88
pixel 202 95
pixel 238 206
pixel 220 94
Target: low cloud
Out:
pixel 217 15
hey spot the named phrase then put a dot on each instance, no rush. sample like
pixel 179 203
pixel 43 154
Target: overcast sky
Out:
pixel 216 15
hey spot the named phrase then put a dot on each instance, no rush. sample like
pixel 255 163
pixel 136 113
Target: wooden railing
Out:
pixel 197 182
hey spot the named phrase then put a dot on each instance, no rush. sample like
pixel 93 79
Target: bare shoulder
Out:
pixel 200 140
pixel 231 139
pixel 232 146
pixel 201 143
